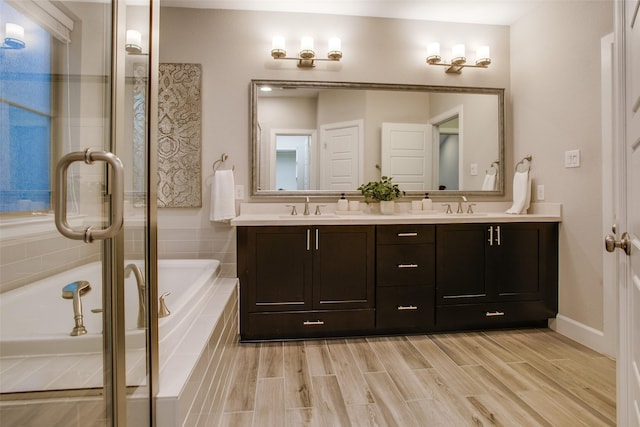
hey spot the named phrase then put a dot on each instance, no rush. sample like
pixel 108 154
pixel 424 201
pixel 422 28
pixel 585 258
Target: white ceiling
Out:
pixel 495 12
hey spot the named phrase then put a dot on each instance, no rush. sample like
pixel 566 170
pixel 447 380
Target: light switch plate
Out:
pixel 540 192
pixel 474 169
pixel 572 159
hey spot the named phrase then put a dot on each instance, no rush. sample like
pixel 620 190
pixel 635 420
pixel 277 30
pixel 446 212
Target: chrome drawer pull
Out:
pixel 407 307
pixel 312 322
pixel 407 234
pixel 407 265
pixel 494 313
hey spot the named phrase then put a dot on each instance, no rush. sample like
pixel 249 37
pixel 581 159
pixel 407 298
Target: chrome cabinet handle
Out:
pixel 317 239
pixel 494 313
pixel 497 236
pixel 308 239
pixel 312 322
pixel 407 234
pixel 407 307
pixel 407 265
pixel 117 195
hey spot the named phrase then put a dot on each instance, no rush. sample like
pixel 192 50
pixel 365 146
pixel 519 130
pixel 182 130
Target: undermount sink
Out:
pixel 300 216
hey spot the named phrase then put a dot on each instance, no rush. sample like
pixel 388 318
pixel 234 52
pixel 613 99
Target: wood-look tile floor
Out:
pixel 532 377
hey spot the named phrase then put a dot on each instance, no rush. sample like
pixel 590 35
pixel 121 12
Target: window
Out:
pixel 25 118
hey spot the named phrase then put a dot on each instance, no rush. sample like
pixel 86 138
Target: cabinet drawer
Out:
pixel 406 309
pixel 402 265
pixel 401 234
pixel 489 315
pixel 309 324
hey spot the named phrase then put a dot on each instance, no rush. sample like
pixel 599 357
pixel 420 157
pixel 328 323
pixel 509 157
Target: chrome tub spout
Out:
pixel 74 291
pixel 141 292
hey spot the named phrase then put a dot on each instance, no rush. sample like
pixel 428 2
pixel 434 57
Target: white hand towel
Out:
pixel 489 182
pixel 223 203
pixel 521 193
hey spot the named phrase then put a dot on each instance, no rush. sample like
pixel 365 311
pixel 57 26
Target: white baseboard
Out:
pixel 585 335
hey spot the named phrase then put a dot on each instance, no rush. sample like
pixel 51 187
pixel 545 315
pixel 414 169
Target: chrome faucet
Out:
pixel 306 206
pixel 141 291
pixel 462 199
pixel 75 291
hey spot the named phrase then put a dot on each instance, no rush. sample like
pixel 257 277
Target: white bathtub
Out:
pixel 196 350
pixel 36 320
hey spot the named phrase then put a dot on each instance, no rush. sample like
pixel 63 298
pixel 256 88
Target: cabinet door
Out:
pixel 512 261
pixel 277 268
pixel 343 267
pixel 460 263
pixel 522 263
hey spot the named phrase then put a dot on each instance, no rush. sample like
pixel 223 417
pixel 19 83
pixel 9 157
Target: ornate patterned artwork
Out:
pixel 179 136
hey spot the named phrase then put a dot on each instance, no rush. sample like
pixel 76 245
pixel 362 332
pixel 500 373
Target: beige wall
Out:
pixel 555 86
pixel 234 47
pixel 552 105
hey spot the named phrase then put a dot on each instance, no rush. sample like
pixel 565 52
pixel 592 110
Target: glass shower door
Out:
pixel 75 310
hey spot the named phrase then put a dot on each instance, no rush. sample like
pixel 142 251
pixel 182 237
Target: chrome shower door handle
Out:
pixel 117 195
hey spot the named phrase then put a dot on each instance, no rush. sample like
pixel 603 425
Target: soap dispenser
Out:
pixel 343 203
pixel 427 203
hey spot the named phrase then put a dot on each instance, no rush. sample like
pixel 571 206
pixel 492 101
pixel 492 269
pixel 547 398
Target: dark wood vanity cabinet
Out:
pixel 405 275
pixel 306 281
pixel 341 280
pixel 491 275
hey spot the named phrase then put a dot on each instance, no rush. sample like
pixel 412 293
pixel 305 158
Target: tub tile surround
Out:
pixel 257 214
pixel 27 259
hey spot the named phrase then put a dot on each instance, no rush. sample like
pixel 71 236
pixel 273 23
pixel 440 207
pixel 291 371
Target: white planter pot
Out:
pixel 387 207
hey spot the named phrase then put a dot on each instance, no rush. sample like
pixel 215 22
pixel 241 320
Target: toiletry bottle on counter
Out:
pixel 427 203
pixel 343 203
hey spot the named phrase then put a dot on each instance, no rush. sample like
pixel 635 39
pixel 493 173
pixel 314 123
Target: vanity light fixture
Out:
pixel 306 57
pixel 13 37
pixel 458 57
pixel 133 44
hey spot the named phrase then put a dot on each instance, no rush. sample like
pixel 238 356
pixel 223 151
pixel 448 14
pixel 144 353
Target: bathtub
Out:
pixel 38 354
pixel 36 320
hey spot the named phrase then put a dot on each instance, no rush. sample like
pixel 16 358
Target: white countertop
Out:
pixel 258 214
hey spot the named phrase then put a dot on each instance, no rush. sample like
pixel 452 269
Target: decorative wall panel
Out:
pixel 179 136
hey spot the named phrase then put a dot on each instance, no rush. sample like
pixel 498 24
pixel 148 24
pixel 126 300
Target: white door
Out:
pixel 628 362
pixel 407 151
pixel 341 155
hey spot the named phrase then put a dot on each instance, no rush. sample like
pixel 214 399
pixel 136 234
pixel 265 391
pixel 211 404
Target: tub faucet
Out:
pixel 75 291
pixel 163 311
pixel 141 291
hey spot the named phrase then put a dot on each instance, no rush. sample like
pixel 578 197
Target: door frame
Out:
pixel 312 153
pixel 436 121
pixel 610 194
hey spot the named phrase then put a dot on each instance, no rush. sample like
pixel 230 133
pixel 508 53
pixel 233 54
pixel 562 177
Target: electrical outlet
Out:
pixel 540 192
pixel 239 192
pixel 474 169
pixel 572 159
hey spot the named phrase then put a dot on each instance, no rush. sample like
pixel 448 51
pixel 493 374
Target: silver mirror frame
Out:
pixel 255 89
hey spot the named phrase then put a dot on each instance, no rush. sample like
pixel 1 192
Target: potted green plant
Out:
pixel 383 191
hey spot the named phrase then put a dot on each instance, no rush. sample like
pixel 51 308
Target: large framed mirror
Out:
pixel 328 138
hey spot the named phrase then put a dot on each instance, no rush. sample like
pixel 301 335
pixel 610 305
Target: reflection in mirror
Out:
pixel 448 134
pixel 327 138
